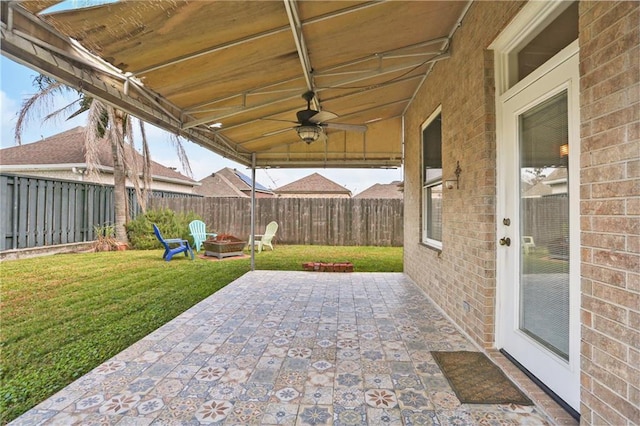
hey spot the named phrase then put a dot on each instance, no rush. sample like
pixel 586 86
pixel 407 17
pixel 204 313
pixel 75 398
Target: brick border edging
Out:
pixel 328 266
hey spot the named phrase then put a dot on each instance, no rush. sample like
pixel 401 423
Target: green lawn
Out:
pixel 63 315
pixel 539 262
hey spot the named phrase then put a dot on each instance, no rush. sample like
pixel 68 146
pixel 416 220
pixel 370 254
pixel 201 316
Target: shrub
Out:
pixel 170 223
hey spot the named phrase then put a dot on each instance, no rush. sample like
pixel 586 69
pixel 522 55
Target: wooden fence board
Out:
pixel 305 221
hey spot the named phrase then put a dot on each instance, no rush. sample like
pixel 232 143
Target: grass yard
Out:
pixel 62 315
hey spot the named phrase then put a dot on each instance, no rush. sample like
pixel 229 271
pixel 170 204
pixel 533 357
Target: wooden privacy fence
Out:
pixel 316 221
pixel 544 216
pixel 36 212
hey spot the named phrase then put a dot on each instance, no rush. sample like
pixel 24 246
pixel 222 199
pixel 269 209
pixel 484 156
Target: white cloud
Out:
pixel 8 108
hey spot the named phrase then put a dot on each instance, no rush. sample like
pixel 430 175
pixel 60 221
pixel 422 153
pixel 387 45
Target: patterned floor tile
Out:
pixel 384 417
pixel 415 400
pixel 280 414
pixel 420 418
pixel 213 411
pixel 179 410
pixel 226 391
pixel 343 349
pixel 149 405
pixel 377 381
pixel 317 395
pixel 455 418
pixel 348 397
pixel 256 392
pixel 348 380
pixel 315 415
pixel 380 398
pixel 287 395
pixel 246 413
pixel 343 416
pixel 119 404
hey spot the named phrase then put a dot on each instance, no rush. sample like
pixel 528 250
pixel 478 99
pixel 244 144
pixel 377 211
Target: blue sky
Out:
pixel 16 84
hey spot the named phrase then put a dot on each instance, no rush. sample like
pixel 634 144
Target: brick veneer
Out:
pixel 610 211
pixel 464 271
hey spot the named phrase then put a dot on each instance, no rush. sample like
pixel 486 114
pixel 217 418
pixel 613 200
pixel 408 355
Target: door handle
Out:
pixel 505 241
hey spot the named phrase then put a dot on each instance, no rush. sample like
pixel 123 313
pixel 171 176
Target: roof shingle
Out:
pixel 391 190
pixel 313 184
pixel 68 148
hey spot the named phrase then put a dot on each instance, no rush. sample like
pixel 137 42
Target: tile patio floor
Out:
pixel 287 348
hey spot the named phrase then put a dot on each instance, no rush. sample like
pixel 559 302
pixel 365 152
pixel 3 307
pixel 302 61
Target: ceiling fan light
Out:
pixel 308 133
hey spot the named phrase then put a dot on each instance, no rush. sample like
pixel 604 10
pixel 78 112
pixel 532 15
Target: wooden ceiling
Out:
pixel 230 75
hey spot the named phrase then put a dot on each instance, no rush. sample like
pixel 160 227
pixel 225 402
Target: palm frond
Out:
pixel 36 105
pixel 56 115
pixel 182 154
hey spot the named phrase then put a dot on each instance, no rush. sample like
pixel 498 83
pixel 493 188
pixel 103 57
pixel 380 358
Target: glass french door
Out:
pixel 538 256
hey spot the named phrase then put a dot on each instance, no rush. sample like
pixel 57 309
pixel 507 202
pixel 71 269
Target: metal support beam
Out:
pixel 301 47
pixel 252 240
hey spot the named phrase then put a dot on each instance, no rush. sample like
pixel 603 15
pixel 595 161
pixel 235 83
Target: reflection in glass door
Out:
pixel 538 275
pixel 544 224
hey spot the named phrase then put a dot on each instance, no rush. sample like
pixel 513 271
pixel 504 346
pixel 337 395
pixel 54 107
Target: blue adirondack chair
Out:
pixel 199 233
pixel 173 246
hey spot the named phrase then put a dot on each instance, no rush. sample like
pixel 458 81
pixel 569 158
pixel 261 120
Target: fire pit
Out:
pixel 223 245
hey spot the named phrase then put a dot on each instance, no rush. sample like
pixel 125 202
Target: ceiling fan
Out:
pixel 310 122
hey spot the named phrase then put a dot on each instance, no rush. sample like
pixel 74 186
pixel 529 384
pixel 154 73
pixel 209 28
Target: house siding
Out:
pixel 100 179
pixel 463 272
pixel 610 211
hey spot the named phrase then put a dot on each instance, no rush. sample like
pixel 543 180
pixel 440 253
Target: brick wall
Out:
pixel 610 211
pixel 464 271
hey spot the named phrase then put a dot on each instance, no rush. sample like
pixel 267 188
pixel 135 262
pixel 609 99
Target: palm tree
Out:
pixel 104 122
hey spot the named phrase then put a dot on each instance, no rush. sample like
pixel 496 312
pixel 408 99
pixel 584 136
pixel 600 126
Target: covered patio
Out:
pixel 292 348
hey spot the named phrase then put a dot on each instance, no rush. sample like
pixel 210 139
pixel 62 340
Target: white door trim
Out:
pixel 528 23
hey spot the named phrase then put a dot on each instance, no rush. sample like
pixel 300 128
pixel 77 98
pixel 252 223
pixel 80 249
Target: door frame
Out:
pixel 544 364
pixel 533 17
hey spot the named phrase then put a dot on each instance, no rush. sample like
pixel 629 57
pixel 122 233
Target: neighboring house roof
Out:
pixel 312 184
pixel 558 176
pixel 66 150
pixel 391 190
pixel 229 182
pixel 553 184
pixel 540 189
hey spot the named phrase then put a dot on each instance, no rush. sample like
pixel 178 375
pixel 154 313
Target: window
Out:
pixel 432 180
pixel 552 39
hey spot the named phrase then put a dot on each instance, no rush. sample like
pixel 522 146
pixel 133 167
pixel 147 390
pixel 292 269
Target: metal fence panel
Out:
pixel 37 212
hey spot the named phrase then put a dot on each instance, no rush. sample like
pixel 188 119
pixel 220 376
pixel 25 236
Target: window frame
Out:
pixel 428 184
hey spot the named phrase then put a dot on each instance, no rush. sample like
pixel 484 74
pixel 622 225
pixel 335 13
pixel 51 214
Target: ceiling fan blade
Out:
pixel 322 116
pixel 281 121
pixel 346 127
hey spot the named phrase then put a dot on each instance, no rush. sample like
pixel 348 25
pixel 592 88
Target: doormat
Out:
pixel 477 380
